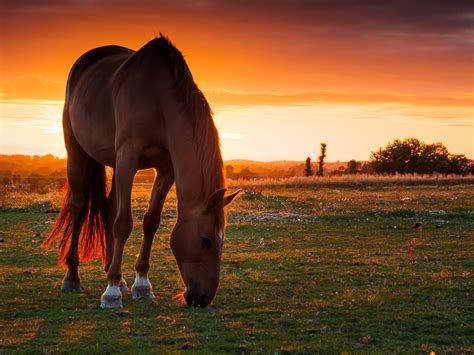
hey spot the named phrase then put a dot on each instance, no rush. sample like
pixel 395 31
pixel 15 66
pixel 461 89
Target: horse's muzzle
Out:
pixel 195 299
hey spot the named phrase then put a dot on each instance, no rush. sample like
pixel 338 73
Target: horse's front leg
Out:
pixel 109 238
pixel 151 221
pixel 126 167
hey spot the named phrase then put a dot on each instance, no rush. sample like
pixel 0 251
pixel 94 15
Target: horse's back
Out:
pixel 119 97
pixel 93 56
pixel 89 103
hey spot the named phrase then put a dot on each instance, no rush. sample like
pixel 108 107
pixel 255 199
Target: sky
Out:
pixel 281 76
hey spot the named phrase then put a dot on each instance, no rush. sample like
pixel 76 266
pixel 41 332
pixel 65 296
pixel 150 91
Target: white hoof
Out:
pixel 112 297
pixel 142 288
pixel 123 286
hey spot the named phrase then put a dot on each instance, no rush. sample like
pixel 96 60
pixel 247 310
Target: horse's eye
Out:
pixel 206 242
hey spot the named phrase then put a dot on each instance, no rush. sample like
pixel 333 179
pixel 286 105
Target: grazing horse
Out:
pixel 129 111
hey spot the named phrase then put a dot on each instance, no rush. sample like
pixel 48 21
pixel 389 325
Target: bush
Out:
pixel 353 167
pixel 412 156
pixel 38 183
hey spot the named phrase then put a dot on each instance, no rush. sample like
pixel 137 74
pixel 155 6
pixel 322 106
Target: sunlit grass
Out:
pixel 304 269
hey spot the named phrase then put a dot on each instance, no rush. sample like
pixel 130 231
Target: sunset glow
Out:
pixel 281 76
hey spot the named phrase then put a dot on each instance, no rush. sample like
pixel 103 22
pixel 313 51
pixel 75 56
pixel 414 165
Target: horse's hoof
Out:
pixel 112 298
pixel 71 285
pixel 123 286
pixel 142 288
pixel 142 292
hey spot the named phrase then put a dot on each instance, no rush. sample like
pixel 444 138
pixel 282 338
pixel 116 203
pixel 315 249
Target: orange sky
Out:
pixel 404 67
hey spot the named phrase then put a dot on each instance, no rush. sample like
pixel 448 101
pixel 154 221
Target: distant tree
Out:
pixel 397 157
pixel 38 183
pixel 413 156
pixel 308 170
pixel 470 168
pixel 341 169
pixel 321 157
pixel 289 173
pixel 366 169
pixel 459 164
pixel 353 167
pixel 16 179
pixel 229 172
pixel 6 177
pixel 434 158
pixel 245 173
pixel 58 178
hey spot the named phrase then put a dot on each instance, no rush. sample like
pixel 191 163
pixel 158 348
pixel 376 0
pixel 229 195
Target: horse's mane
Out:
pixel 196 108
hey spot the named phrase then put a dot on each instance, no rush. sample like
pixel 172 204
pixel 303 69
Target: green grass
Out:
pixel 304 269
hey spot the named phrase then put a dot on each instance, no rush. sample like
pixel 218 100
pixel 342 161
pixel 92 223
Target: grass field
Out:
pixel 304 269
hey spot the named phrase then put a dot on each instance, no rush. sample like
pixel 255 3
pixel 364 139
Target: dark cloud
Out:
pixel 432 24
pixel 406 16
pixel 422 46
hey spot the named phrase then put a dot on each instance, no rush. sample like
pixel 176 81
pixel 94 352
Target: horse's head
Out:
pixel 196 242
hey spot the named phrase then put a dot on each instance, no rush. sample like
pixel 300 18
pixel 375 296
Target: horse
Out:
pixel 131 110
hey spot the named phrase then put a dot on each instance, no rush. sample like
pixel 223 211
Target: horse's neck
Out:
pixel 188 177
pixel 190 182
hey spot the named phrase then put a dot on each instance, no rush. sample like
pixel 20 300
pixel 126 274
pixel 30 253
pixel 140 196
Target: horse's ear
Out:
pixel 229 198
pixel 219 197
pixel 216 198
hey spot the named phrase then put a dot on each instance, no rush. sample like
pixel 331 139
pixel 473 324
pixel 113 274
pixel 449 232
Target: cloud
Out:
pixel 402 46
pixel 42 115
pixel 46 115
pixel 460 125
pixel 224 97
pixel 426 16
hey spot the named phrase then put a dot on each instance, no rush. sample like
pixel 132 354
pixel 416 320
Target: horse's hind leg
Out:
pixel 76 172
pixel 142 287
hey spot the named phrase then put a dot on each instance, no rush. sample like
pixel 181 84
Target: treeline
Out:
pixel 20 166
pixel 42 173
pixel 352 167
pixel 26 169
pixel 36 173
pixel 408 156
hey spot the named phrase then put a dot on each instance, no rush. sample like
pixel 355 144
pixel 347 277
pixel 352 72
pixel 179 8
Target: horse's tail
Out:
pixel 93 217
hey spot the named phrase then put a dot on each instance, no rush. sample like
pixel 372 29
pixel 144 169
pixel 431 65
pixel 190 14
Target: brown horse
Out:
pixel 129 111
